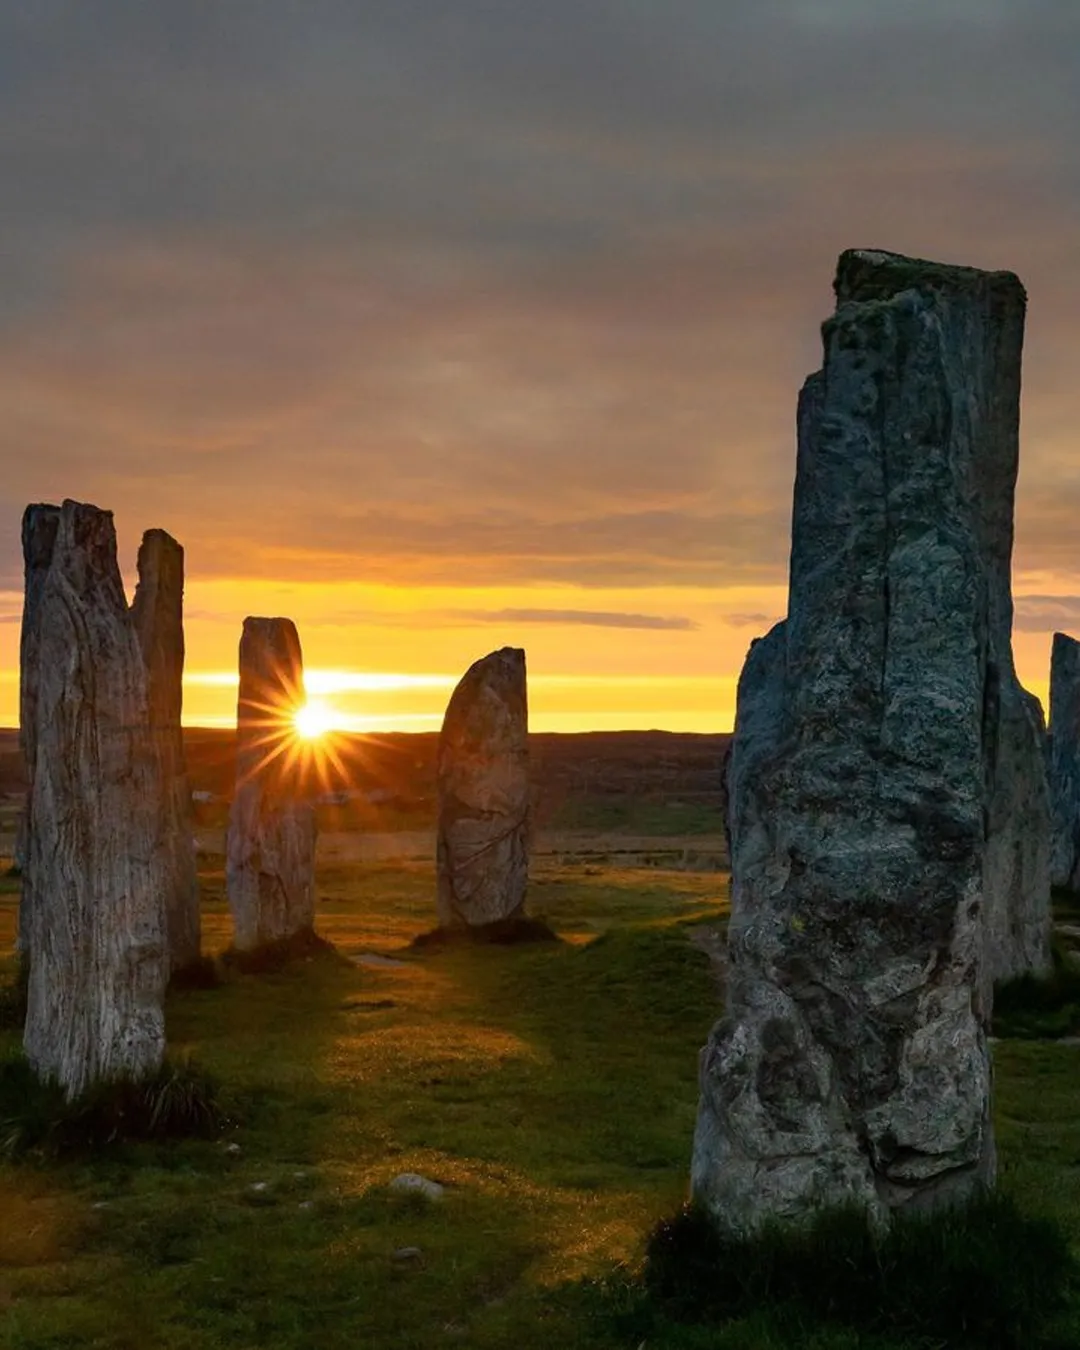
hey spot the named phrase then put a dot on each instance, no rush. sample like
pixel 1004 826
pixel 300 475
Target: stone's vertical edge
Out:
pixel 1019 843
pixel 876 736
pixel 1064 756
pixel 40 523
pixel 270 863
pixel 99 965
pixel 482 844
pixel 157 612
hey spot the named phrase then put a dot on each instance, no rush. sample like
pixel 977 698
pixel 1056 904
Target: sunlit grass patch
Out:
pixel 41 1225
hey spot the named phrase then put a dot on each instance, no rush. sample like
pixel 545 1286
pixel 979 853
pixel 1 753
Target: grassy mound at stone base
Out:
pixel 982 1274
pixel 38 1121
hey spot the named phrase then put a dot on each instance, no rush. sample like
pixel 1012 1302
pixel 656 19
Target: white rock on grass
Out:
pixel 412 1183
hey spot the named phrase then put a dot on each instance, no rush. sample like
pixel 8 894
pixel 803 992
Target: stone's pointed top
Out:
pixel 159 548
pixel 85 550
pixel 39 525
pixel 161 573
pixel 877 274
pixel 273 640
pixel 1064 641
pixel 510 661
pixel 502 671
pixel 509 656
pixel 258 625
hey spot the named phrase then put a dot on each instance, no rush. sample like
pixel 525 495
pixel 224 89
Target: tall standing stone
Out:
pixel 884 761
pixel 1065 759
pixel 40 523
pixel 271 840
pixel 158 615
pixel 98 962
pixel 482 847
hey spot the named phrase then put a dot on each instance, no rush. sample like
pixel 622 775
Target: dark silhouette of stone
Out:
pixel 271 839
pixel 482 848
pixel 158 614
pixel 98 961
pixel 888 806
pixel 1065 760
pixel 39 525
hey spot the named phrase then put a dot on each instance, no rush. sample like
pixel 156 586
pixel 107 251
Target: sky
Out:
pixel 442 326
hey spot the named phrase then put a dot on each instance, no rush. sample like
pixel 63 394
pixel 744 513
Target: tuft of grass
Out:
pixel 1040 1007
pixel 38 1121
pixel 980 1274
pixel 274 956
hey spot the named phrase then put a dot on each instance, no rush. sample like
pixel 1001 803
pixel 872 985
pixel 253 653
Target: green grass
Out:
pixel 551 1088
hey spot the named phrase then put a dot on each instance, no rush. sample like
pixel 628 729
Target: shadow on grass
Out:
pixel 305 945
pixel 13 1000
pixel 500 933
pixel 1040 1007
pixel 978 1275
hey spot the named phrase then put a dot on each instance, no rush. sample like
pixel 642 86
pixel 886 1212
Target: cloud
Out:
pixel 443 293
pixel 591 618
pixel 758 621
pixel 1045 613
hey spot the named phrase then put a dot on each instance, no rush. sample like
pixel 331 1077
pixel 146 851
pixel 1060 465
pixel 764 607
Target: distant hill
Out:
pixel 586 778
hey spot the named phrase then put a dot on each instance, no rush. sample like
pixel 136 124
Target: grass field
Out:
pixel 551 1089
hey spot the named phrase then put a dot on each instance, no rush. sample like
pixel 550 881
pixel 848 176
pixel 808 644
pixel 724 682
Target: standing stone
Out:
pixel 271 842
pixel 482 848
pixel 39 526
pixel 158 614
pixel 98 961
pixel 884 757
pixel 1065 760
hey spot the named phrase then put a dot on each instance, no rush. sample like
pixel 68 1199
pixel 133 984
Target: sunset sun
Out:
pixel 313 720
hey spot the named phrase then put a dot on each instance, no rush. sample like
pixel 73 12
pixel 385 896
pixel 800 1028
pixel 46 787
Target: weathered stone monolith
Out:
pixel 271 840
pixel 482 849
pixel 98 962
pixel 1065 760
pixel 886 764
pixel 39 525
pixel 158 614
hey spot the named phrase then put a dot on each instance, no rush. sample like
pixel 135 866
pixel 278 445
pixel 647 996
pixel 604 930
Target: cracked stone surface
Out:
pixel 888 802
pixel 482 845
pixel 39 526
pixel 270 848
pixel 158 615
pixel 98 960
pixel 1065 760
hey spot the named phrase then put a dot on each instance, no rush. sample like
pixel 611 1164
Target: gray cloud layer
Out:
pixel 441 291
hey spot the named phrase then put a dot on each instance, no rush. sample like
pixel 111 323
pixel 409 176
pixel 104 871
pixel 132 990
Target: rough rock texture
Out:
pixel 482 849
pixel 1065 760
pixel 885 768
pixel 39 525
pixel 271 842
pixel 158 615
pixel 98 959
